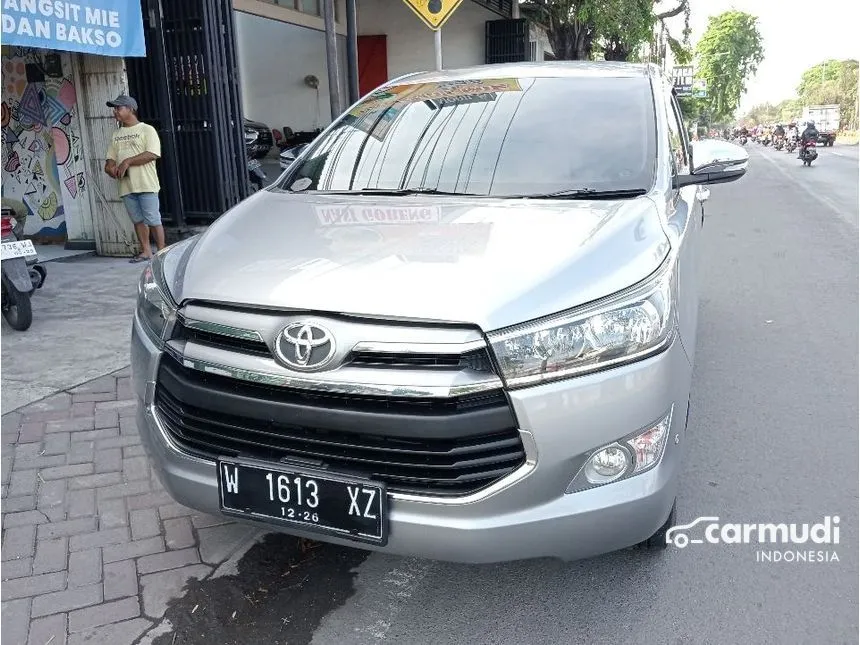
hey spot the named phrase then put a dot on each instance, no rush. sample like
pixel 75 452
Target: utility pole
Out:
pixel 352 51
pixel 331 59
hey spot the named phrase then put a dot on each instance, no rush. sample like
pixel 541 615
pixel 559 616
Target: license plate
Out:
pixel 253 164
pixel 20 249
pixel 346 507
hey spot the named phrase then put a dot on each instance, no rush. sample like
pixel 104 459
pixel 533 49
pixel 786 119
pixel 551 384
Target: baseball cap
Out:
pixel 123 101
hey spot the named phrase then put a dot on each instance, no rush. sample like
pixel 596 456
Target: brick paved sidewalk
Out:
pixel 93 547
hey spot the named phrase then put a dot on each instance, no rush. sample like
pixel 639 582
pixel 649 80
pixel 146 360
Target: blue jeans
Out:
pixel 143 208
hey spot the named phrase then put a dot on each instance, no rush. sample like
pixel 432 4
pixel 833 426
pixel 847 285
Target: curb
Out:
pixel 69 258
pixel 66 390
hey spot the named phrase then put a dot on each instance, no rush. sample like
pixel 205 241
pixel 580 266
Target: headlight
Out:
pixel 154 306
pixel 628 327
pixel 632 455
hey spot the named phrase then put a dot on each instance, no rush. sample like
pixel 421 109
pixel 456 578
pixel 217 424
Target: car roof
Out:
pixel 553 69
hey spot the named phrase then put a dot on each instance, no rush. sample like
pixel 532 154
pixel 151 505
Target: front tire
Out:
pixel 17 309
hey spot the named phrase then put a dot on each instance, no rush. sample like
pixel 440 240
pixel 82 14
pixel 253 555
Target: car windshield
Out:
pixel 490 137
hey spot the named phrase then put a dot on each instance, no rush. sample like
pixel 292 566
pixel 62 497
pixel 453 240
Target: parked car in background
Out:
pixel 260 146
pixel 462 325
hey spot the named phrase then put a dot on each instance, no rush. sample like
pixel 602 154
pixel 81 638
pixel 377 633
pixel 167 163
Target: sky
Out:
pixel 834 34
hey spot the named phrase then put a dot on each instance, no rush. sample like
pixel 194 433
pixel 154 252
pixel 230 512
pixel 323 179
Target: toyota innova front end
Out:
pixel 460 326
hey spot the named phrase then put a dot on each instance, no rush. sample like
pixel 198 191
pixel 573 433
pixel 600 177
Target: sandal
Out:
pixel 139 258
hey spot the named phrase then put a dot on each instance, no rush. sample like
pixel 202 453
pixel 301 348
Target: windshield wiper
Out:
pixel 586 193
pixel 397 192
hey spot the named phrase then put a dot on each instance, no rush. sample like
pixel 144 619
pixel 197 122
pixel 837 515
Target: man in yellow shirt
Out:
pixel 131 157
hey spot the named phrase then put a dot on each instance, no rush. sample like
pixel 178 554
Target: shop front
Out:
pixel 54 122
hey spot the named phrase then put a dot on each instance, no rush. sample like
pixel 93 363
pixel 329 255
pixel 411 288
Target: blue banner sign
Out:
pixel 106 27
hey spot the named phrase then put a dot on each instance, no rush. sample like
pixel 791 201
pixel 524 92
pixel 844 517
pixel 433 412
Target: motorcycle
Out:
pixel 791 145
pixel 21 273
pixel 256 175
pixel 779 143
pixel 808 153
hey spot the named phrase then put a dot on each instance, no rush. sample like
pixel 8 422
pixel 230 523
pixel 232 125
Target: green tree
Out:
pixel 626 26
pixel 832 82
pixel 728 54
pixel 661 38
pixel 583 29
pixel 571 25
pixel 694 110
pixel 788 110
pixel 762 113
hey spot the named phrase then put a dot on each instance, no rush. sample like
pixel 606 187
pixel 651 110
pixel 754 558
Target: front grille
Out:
pixel 220 341
pixel 423 446
pixel 478 360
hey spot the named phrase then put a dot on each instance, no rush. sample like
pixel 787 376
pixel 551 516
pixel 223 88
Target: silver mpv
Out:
pixel 461 325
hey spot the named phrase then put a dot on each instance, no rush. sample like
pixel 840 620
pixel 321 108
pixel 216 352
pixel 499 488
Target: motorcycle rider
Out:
pixel 778 136
pixel 779 131
pixel 809 134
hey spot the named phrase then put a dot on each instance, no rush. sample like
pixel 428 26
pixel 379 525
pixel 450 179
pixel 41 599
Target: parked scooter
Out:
pixel 21 273
pixel 256 175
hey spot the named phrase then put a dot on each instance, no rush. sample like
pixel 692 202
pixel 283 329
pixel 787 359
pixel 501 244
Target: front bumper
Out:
pixel 528 514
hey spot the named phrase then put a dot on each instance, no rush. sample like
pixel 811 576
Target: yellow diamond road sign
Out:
pixel 434 13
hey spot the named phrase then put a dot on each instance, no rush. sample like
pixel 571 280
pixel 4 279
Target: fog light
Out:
pixel 626 457
pixel 648 446
pixel 607 465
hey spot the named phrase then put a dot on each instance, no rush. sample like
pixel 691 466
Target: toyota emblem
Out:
pixel 305 346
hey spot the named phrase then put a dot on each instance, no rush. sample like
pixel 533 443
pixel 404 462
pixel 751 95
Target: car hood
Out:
pixel 486 262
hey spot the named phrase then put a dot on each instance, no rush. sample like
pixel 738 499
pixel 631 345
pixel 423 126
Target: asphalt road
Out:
pixel 832 178
pixel 774 431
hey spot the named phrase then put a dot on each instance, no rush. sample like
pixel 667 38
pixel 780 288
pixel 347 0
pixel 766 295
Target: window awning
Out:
pixel 106 27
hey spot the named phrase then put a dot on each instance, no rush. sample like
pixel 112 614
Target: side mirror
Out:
pixel 715 162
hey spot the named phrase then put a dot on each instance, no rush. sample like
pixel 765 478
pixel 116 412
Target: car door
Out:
pixel 685 216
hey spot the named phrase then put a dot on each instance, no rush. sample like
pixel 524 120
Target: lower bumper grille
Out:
pixel 413 447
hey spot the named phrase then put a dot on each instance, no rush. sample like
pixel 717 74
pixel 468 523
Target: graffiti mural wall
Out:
pixel 42 162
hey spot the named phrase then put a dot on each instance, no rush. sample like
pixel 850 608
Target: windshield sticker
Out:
pixel 452 91
pixel 445 93
pixel 301 184
pixel 382 108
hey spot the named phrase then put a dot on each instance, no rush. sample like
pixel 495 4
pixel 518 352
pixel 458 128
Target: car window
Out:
pixel 490 137
pixel 677 142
